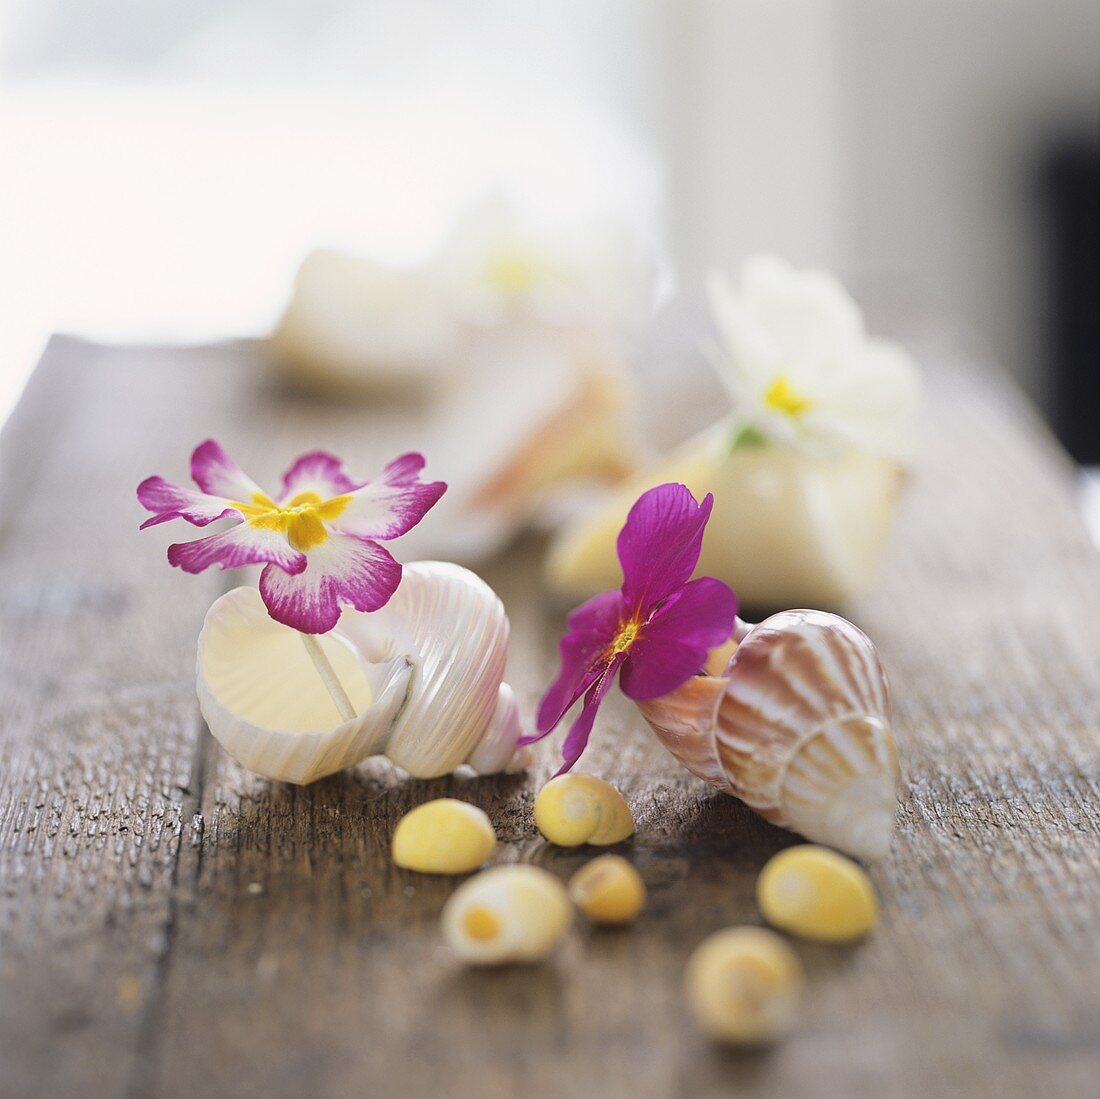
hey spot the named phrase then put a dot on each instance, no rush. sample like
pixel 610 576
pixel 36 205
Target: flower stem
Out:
pixel 328 676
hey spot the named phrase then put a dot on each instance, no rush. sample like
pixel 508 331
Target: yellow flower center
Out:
pixel 627 635
pixel 302 520
pixel 783 397
pixel 512 272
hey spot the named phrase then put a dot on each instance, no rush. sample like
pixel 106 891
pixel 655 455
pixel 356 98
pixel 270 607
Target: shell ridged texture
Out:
pixel 684 722
pixel 459 631
pixel 424 676
pixel 263 701
pixel 798 728
pixel 799 674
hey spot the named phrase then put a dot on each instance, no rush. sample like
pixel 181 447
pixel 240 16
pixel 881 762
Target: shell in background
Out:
pixel 525 414
pixel 424 675
pixel 535 420
pixel 798 727
pixel 787 527
pixel 353 326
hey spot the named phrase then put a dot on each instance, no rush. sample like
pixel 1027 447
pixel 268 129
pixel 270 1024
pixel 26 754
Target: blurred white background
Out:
pixel 167 164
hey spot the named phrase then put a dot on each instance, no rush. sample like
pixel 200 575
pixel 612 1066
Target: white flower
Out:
pixel 501 265
pixel 800 368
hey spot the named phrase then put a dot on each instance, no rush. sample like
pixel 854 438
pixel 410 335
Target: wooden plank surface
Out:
pixel 172 925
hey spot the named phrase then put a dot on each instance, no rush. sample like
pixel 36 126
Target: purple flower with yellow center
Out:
pixel 318 538
pixel 655 631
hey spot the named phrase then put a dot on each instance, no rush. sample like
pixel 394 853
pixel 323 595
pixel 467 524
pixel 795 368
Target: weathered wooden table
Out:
pixel 172 925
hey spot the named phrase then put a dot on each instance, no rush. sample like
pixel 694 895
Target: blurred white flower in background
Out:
pixel 800 368
pixel 806 474
pixel 362 323
pixel 503 265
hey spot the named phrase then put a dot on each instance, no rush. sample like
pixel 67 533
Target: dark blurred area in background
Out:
pixel 1071 210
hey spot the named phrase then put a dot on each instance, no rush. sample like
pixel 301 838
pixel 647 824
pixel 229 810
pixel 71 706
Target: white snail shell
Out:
pixel 797 727
pixel 424 675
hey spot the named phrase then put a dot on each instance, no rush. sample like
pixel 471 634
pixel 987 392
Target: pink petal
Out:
pixel 592 627
pixel 241 545
pixel 404 469
pixel 577 739
pixel 661 667
pixel 318 472
pixel 170 501
pixel 393 504
pixel 674 643
pixel 217 474
pixel 659 544
pixel 343 569
pixel 703 612
pixel 600 616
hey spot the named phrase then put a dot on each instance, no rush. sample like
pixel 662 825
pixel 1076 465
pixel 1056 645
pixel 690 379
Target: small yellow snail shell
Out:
pixel 817 894
pixel 574 808
pixel 445 836
pixel 508 914
pixel 744 985
pixel 608 890
pixel 797 727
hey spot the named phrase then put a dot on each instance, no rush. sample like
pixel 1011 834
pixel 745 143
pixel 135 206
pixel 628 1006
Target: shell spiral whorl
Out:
pixel 798 727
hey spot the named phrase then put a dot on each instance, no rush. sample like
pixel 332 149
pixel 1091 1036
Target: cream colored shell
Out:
pixel 787 528
pixel 576 808
pixel 608 890
pixel 424 675
pixel 744 986
pixel 353 326
pixel 513 913
pixel 798 728
pixel 444 836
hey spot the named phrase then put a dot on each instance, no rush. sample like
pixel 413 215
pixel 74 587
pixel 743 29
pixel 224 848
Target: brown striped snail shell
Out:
pixel 797 726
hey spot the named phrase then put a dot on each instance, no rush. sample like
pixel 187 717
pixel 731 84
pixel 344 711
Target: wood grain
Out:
pixel 171 925
pixel 98 729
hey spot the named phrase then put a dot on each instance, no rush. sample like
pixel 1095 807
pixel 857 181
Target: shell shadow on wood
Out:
pixel 798 727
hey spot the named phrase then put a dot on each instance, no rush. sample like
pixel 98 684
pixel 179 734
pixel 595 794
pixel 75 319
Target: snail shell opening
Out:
pixel 424 675
pixel 265 704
